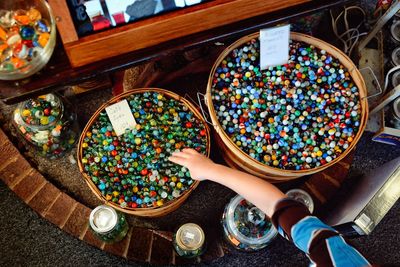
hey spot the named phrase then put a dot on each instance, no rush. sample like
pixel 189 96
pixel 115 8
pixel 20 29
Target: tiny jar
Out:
pixel 189 241
pixel 395 57
pixel 303 197
pixel 396 78
pixel 394 114
pixel 245 226
pixel 47 124
pixel 395 31
pixel 108 224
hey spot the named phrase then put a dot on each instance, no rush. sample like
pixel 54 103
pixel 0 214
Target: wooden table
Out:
pixel 59 71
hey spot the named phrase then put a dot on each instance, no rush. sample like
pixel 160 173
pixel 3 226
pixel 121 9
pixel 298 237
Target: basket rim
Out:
pixel 350 66
pixel 114 100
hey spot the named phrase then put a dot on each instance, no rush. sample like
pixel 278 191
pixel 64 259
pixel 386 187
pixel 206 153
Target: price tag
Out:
pixel 274 46
pixel 121 117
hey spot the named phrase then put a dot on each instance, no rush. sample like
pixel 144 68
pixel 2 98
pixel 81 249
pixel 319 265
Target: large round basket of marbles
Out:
pixel 130 170
pixel 287 121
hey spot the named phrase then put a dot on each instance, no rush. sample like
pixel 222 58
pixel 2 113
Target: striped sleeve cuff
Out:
pixel 287 213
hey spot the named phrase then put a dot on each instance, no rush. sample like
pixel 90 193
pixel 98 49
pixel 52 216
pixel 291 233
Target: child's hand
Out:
pixel 200 166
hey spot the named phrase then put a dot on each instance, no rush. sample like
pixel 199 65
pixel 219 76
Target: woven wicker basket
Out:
pixel 236 158
pixel 144 212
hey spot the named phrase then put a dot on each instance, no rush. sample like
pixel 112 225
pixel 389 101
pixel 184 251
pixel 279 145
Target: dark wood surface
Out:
pixel 59 73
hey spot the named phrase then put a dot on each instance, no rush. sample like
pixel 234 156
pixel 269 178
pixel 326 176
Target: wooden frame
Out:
pixel 156 30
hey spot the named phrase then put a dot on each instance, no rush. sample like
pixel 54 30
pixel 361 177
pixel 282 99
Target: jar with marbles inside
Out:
pixel 48 124
pixel 245 226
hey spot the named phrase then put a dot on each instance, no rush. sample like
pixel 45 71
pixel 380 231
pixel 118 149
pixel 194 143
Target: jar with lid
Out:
pixel 107 224
pixel 189 241
pixel 245 226
pixel 394 113
pixel 47 124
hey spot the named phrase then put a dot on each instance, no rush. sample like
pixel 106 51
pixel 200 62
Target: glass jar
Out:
pixel 189 241
pixel 108 224
pixel 303 197
pixel 245 226
pixel 47 125
pixel 394 113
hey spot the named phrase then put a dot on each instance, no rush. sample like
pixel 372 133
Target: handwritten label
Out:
pixel 121 117
pixel 274 46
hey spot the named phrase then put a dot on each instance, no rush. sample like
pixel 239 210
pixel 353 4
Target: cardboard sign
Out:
pixel 274 46
pixel 121 117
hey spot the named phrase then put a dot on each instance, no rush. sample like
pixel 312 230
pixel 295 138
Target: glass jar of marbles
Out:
pixel 245 226
pixel 189 241
pixel 108 224
pixel 47 124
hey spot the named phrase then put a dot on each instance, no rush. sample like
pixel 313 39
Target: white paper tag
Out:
pixel 274 46
pixel 121 117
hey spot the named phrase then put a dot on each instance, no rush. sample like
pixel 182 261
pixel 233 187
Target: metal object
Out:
pixel 189 240
pixel 396 79
pixel 303 197
pixel 396 57
pixel 367 204
pixel 395 31
pixel 389 97
pixel 395 113
pixel 379 24
pixel 108 224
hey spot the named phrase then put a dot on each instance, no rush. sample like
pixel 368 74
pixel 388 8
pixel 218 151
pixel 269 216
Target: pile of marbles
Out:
pixel 23 36
pixel 133 169
pixel 296 116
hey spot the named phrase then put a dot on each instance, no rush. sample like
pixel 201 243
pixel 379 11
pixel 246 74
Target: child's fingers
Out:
pixel 177 160
pixel 181 154
pixel 190 151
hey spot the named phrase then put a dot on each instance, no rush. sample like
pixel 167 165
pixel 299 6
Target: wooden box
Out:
pixel 159 29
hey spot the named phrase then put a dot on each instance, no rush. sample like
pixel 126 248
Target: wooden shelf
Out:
pixel 59 72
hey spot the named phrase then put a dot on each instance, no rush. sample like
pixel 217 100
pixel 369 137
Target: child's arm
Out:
pixel 262 194
pixel 322 243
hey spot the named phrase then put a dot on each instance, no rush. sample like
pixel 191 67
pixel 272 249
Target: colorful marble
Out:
pixel 23 35
pixel 297 116
pixel 133 169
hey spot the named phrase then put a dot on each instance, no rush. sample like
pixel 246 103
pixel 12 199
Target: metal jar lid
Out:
pixel 303 197
pixel 190 236
pixel 396 56
pixel 254 229
pixel 103 219
pixel 396 108
pixel 396 78
pixel 395 31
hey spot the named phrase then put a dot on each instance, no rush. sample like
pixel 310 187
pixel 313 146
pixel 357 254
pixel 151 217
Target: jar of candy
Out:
pixel 245 226
pixel 47 124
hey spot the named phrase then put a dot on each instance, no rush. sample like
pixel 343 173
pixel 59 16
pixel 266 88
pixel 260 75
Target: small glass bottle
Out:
pixel 189 241
pixel 47 125
pixel 394 113
pixel 108 224
pixel 245 226
pixel 303 197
